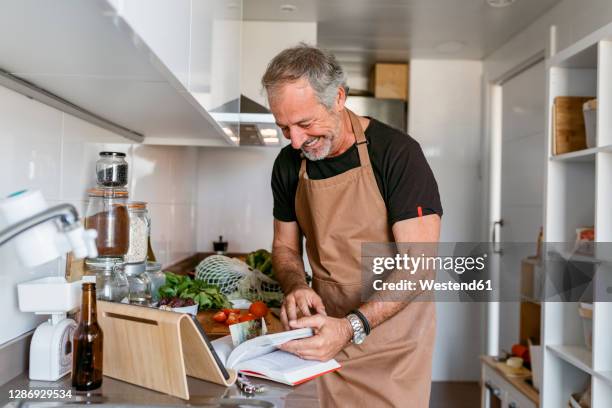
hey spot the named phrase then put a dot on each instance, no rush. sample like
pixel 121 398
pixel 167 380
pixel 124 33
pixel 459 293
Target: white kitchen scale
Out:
pixel 51 347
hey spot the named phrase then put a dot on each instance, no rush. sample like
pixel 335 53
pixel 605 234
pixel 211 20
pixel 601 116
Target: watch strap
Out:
pixel 364 321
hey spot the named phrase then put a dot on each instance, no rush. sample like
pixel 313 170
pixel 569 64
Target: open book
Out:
pixel 260 357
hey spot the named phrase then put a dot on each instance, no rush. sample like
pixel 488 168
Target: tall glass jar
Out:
pixel 111 283
pixel 140 223
pixel 107 213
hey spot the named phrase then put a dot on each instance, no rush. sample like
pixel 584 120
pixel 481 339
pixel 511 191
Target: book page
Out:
pixel 262 345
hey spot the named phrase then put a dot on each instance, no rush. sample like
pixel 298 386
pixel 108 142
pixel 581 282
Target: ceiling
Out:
pixel 362 31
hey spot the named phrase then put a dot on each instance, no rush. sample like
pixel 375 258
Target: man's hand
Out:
pixel 331 335
pixel 301 300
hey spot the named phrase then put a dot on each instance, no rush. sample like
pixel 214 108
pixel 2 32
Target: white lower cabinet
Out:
pixel 497 392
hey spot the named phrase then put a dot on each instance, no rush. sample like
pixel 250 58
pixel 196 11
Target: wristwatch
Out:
pixel 359 333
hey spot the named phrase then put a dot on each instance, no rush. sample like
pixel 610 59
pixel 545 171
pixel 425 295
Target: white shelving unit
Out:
pixel 579 193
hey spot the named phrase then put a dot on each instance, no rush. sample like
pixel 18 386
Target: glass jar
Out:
pixel 107 213
pixel 139 290
pixel 157 278
pixel 111 283
pixel 139 232
pixel 112 169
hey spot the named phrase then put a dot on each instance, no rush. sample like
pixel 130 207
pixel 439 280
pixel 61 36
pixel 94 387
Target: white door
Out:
pixel 523 144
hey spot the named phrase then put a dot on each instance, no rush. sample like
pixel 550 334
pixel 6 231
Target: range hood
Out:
pixel 247 122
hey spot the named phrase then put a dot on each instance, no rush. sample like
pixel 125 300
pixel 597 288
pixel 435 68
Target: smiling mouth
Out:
pixel 310 142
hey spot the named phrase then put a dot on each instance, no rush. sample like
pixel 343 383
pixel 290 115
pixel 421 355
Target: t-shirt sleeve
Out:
pixel 283 188
pixel 411 183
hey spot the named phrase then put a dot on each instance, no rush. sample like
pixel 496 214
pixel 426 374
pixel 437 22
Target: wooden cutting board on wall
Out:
pixel 569 133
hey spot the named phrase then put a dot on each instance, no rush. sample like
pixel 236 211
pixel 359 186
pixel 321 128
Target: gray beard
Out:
pixel 322 153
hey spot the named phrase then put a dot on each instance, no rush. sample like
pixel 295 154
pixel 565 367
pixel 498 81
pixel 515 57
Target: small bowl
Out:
pixel 192 310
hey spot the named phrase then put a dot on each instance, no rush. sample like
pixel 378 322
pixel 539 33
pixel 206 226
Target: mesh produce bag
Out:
pixel 238 281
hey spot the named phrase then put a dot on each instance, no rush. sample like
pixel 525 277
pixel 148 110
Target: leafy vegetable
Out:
pixel 206 295
pixel 262 261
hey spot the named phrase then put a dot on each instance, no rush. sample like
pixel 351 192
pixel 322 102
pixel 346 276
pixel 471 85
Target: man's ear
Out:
pixel 340 99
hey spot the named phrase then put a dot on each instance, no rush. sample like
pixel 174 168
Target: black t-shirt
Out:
pixel 402 173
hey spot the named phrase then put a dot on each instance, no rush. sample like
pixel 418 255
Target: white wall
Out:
pixel 43 148
pixel 235 197
pixel 444 117
pixel 261 41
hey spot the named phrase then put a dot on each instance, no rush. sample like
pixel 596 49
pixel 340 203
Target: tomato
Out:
pixel 519 350
pixel 219 317
pixel 247 317
pixel 230 311
pixel 258 309
pixel 231 319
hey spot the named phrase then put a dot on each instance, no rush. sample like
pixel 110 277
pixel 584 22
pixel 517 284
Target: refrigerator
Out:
pixel 393 112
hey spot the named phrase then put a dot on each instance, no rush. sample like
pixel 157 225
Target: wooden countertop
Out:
pixel 517 382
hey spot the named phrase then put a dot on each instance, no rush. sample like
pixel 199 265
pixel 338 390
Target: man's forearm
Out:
pixel 378 312
pixel 288 268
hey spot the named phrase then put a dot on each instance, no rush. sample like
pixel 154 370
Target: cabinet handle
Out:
pixel 494 390
pixel 496 249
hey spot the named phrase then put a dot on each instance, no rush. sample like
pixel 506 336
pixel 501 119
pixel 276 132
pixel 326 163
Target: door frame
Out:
pixel 492 145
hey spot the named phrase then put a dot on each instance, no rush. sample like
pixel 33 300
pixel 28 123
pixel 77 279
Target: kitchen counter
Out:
pixel 118 393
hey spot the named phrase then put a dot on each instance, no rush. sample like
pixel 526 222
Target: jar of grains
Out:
pixel 107 213
pixel 139 232
pixel 112 169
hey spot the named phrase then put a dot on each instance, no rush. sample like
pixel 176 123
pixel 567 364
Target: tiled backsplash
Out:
pixel 45 149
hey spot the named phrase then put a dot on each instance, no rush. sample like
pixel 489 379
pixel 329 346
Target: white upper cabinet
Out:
pixel 199 42
pixel 121 64
pixel 164 26
pixel 215 54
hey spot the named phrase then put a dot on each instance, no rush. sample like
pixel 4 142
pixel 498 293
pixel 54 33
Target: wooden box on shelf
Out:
pixel 389 80
pixel 569 132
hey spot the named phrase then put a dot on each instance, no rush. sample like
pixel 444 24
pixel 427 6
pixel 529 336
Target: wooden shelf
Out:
pixel 578 356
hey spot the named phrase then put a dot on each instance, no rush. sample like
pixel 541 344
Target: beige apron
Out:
pixel 393 366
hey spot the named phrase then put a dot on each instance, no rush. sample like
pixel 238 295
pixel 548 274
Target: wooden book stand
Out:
pixel 156 349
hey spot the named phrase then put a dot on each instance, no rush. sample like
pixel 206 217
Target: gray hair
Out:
pixel 324 73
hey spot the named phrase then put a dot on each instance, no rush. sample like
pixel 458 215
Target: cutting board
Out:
pixel 215 330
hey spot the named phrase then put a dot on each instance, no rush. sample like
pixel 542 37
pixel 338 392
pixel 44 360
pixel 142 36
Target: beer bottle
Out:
pixel 87 345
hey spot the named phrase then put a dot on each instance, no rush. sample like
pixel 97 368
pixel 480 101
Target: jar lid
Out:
pixel 154 266
pixel 137 205
pixel 103 263
pixel 112 154
pixel 134 269
pixel 111 192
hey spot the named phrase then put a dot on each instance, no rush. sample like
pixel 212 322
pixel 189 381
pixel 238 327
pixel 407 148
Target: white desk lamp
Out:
pixel 40 238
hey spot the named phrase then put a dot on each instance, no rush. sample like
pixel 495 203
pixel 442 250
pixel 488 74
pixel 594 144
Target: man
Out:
pixel 345 180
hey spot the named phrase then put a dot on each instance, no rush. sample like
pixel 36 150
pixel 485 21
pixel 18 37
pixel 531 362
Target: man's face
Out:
pixel 309 125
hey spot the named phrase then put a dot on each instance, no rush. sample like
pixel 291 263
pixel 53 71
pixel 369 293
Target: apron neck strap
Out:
pixel 360 141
